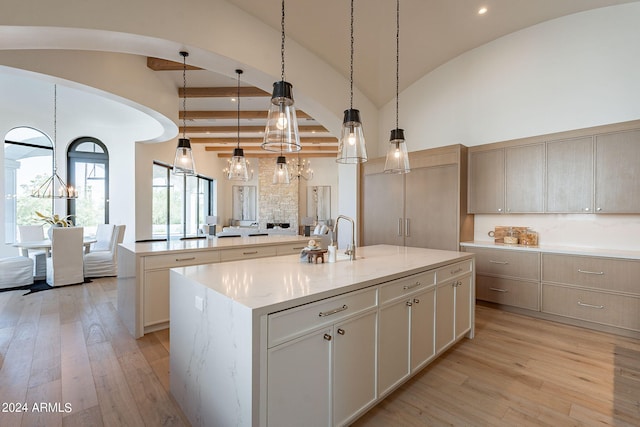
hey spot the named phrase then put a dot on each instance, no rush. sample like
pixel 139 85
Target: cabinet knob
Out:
pixel 341 331
pixel 587 209
pixel 409 303
pixel 598 209
pixel 416 301
pixel 327 337
pixel 499 209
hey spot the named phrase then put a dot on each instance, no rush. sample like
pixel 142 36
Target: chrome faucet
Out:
pixel 351 250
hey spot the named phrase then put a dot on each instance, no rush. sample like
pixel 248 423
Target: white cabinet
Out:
pixel 454 308
pixel 406 328
pixel 327 376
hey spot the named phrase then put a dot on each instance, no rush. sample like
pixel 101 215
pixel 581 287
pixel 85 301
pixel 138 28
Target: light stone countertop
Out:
pixel 565 250
pixel 176 246
pixel 276 283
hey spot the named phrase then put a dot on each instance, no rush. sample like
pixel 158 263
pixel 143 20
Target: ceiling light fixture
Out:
pixel 352 148
pixel 397 160
pixel 281 172
pixel 281 132
pixel 183 163
pixel 54 187
pixel 302 169
pixel 238 168
pixel 482 10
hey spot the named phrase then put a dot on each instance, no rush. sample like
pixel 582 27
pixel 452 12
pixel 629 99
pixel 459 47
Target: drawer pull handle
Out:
pixel 456 271
pixel 250 253
pixel 415 285
pixel 298 249
pixel 341 331
pixel 334 311
pixel 499 262
pixel 498 290
pixel 327 337
pixel 582 304
pixel 597 273
pixel 185 259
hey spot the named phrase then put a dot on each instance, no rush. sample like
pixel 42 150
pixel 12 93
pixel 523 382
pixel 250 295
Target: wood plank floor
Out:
pixel 67 349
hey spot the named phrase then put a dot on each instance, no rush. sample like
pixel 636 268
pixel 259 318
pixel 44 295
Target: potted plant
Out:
pixel 55 220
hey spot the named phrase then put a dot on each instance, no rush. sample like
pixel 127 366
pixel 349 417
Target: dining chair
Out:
pixel 31 233
pixel 104 235
pixel 104 263
pixel 65 266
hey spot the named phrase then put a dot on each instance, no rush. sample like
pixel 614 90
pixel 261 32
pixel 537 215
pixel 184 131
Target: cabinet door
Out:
pixel 445 294
pixel 354 367
pixel 298 381
pixel 524 177
pixel 156 297
pixel 393 344
pixel 570 176
pixel 431 208
pixel 422 328
pixel 383 216
pixel 463 306
pixel 486 181
pixel 618 173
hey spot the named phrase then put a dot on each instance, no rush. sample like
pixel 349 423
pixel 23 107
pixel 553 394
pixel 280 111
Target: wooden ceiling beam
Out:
pixel 222 129
pixel 157 64
pixel 230 114
pixel 275 155
pixel 256 148
pixel 222 92
pixel 304 140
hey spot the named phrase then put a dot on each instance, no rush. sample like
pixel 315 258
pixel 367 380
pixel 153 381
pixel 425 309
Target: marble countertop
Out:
pixel 567 250
pixel 276 283
pixel 176 246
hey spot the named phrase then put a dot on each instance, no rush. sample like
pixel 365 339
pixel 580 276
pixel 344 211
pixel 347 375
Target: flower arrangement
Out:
pixel 56 220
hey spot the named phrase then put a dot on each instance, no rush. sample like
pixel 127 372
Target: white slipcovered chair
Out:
pixel 104 235
pixel 104 263
pixel 34 233
pixel 64 267
pixel 15 271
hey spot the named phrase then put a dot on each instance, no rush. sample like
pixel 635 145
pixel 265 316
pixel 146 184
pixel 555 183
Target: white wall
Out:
pixel 570 73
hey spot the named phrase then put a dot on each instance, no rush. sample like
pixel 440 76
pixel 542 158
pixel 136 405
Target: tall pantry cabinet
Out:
pixel 425 208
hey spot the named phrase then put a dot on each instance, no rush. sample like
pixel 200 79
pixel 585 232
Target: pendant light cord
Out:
pixel 238 100
pixel 282 44
pixel 184 94
pixel 55 125
pixel 351 63
pixel 397 57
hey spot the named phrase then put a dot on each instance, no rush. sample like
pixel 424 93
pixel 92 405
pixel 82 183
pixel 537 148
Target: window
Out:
pixel 28 162
pixel 180 204
pixel 88 173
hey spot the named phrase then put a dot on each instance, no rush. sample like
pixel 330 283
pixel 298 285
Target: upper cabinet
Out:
pixel 592 170
pixel 507 180
pixel 618 172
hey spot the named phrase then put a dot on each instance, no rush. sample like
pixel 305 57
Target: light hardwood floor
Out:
pixel 68 346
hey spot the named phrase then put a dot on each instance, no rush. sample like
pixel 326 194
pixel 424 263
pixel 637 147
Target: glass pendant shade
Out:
pixel 397 157
pixel 281 172
pixel 352 148
pixel 183 163
pixel 281 132
pixel 238 168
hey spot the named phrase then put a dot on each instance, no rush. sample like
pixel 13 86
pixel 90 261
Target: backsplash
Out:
pixel 276 203
pixel 577 230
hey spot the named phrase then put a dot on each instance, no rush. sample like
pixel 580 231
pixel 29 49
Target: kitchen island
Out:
pixel 277 342
pixel 143 271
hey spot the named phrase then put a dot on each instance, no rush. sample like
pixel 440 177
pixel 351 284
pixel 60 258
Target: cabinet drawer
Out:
pixel 290 249
pixel 593 306
pixel 509 263
pixel 288 324
pixel 512 292
pixel 591 272
pixel 406 285
pixel 458 269
pixel 247 253
pixel 180 259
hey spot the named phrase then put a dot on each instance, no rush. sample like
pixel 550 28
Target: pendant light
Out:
pixel 281 132
pixel 352 148
pixel 397 157
pixel 238 167
pixel 281 172
pixel 54 187
pixel 183 163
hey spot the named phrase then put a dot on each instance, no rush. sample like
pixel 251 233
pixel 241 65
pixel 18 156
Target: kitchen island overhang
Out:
pixel 220 333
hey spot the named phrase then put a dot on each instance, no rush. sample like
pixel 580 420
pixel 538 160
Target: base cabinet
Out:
pixel 451 324
pixel 326 377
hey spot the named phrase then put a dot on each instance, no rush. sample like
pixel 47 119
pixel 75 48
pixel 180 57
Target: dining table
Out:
pixel 46 244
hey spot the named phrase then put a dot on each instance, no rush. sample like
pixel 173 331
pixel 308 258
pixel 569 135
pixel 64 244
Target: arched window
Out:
pixel 88 173
pixel 28 162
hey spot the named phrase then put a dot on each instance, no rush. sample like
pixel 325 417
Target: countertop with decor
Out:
pixel 568 250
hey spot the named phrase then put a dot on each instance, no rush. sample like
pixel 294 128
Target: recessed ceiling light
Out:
pixel 233 100
pixel 482 10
